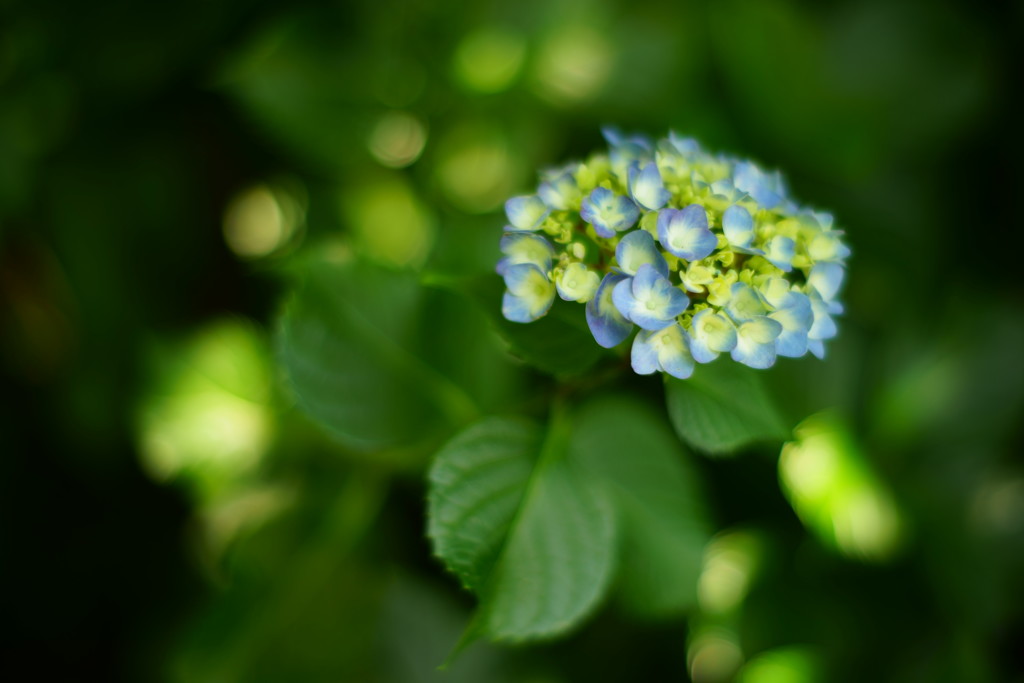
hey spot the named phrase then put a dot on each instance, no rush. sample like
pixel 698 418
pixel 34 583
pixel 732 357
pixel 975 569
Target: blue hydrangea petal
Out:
pixel 738 225
pixel 817 347
pixel 755 342
pixel 674 352
pixel 666 350
pixel 796 318
pixel 685 233
pixel 530 293
pixel 823 326
pixel 766 189
pixel 710 334
pixel 646 187
pixel 649 299
pixel 560 193
pixel 643 355
pixel 745 303
pixel 687 147
pixel 780 251
pixel 606 323
pixel 525 247
pixel 636 249
pixel 527 212
pixel 826 279
pixel 608 212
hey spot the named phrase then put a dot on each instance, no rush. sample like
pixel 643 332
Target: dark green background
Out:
pixel 125 130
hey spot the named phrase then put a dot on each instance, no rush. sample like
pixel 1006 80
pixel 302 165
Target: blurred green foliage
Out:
pixel 198 197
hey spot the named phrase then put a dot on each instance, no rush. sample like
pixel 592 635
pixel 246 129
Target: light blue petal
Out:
pixel 649 299
pixel 606 323
pixel 817 347
pixel 526 213
pixel 700 350
pixel 525 247
pixel 559 193
pixel 738 225
pixel 713 333
pixel 826 279
pixel 636 249
pixel 823 326
pixel 780 251
pixel 608 212
pixel 674 355
pixel 796 320
pixel 515 308
pixel 646 187
pixel 744 303
pixel 521 276
pixel 755 342
pixel 643 356
pixel 687 147
pixel 767 190
pixel 684 233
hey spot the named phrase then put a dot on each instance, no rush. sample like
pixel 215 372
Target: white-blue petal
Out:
pixel 608 212
pixel 738 225
pixel 559 193
pixel 606 323
pixel 527 212
pixel 744 303
pixel 643 355
pixel 646 187
pixel 524 247
pixel 826 279
pixel 636 249
pixel 780 251
pixel 684 233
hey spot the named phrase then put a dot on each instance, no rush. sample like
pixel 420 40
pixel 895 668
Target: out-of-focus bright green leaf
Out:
pixel 539 548
pixel 624 444
pixel 347 342
pixel 722 408
pixel 835 492
pixel 783 665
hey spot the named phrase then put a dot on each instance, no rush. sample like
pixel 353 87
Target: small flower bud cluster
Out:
pixel 705 254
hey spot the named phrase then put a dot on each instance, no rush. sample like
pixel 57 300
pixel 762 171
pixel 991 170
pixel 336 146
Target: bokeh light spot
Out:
pixel 206 417
pixel 714 655
pixel 397 140
pixel 784 665
pixel 262 219
pixel 388 222
pixel 477 169
pixel 573 65
pixel 488 60
pixel 730 562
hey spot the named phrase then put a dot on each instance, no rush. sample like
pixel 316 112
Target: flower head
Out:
pixel 705 254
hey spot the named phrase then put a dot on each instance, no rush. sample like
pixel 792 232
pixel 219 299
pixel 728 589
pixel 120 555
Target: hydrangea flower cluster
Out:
pixel 705 254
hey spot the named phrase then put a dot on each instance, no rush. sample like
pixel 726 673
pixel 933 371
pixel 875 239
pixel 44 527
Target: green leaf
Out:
pixel 522 526
pixel 722 408
pixel 655 488
pixel 560 343
pixel 348 344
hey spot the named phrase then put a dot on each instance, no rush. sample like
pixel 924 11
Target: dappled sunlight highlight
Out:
pixel 477 168
pixel 488 60
pixel 262 219
pixel 388 221
pixel 397 140
pixel 206 417
pixel 573 65
pixel 713 655
pixel 835 493
pixel 731 560
pixel 783 665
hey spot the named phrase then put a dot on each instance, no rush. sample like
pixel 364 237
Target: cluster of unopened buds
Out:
pixel 705 254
